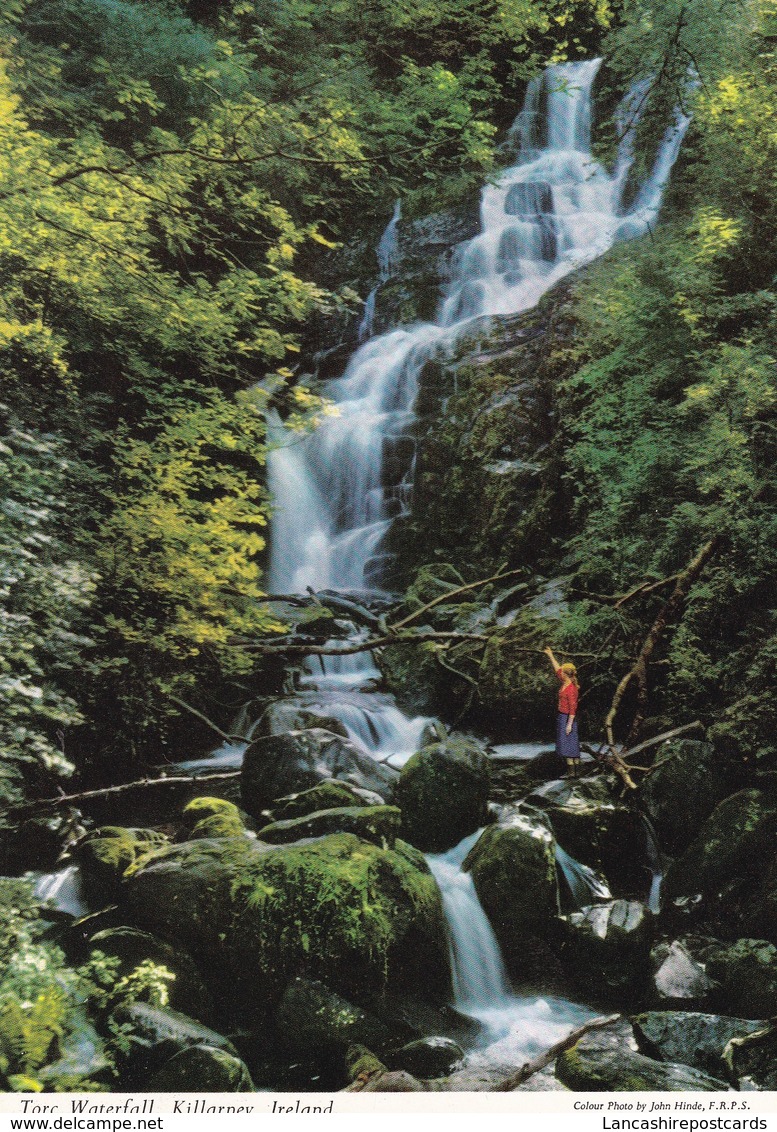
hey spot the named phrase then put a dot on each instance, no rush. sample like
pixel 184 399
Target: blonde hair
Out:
pixel 569 670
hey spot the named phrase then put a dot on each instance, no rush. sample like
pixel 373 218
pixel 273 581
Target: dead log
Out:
pixel 453 593
pixel 139 784
pixel 208 722
pixel 638 671
pixel 531 1067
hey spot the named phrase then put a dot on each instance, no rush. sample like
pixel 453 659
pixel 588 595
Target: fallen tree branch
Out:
pixel 362 646
pixel 208 722
pixel 660 739
pixel 531 1067
pixel 638 671
pixel 139 784
pixel 453 593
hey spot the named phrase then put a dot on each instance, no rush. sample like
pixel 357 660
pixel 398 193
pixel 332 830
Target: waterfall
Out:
pixel 656 866
pixel 585 886
pixel 386 253
pixel 516 1027
pixel 63 890
pixel 337 490
pixel 478 973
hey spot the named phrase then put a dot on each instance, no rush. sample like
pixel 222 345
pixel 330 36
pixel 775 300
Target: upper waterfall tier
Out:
pixel 337 490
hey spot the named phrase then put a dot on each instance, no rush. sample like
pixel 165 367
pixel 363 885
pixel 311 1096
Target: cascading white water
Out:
pixel 63 890
pixel 386 253
pixel 584 885
pixel 517 1027
pixel 337 490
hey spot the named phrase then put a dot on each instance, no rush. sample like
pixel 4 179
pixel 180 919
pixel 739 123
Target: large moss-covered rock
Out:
pixel 277 765
pixel 345 911
pixel 513 867
pixel 604 1061
pixel 443 794
pixel 690 781
pixel 315 1023
pixel 739 832
pixel 746 973
pixel 698 1040
pixel 108 852
pixel 211 817
pixel 187 992
pixel 201 1069
pixel 607 949
pixel 380 824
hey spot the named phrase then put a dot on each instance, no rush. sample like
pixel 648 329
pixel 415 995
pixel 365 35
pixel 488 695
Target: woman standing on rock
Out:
pixel 567 741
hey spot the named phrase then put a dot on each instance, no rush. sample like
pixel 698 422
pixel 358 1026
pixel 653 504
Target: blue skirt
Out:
pixel 567 746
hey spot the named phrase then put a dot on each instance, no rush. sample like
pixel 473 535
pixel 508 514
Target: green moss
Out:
pixel 212 817
pixel 326 796
pixel 360 1061
pixel 338 903
pixel 112 852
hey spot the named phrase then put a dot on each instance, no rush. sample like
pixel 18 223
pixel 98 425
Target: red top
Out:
pixel 567 696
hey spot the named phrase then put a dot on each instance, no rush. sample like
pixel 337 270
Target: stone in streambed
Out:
pixel 678 977
pixel 607 950
pixel 277 765
pixel 604 1061
pixel 426 1058
pixel 513 867
pixel 201 1069
pixel 315 1023
pixel 211 817
pixel 379 824
pixel 698 1040
pixel 443 794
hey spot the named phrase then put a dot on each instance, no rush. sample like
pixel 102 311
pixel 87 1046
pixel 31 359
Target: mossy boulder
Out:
pixel 607 949
pixel 187 992
pixel 690 781
pixel 296 714
pixel 316 1024
pixel 443 794
pixel 746 974
pixel 201 1069
pixel 513 867
pixel 739 832
pixel 694 1039
pixel 602 1061
pixel 211 817
pixel 107 853
pixel 277 765
pixel 328 795
pixel 379 824
pixel 358 917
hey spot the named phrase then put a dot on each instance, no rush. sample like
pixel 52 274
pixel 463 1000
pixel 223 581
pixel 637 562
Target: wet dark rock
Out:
pixel 187 992
pixel 296 715
pixel 604 1061
pixel 684 790
pixel 443 794
pixel 746 973
pixel 156 1034
pixel 380 824
pixel 316 1023
pixel 678 977
pixel 277 765
pixel 396 1081
pixel 426 1058
pixel 607 949
pixel 698 1040
pixel 513 867
pixel 597 829
pixel 201 1069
